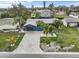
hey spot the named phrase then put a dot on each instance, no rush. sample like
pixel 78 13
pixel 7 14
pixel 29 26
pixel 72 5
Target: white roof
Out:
pixel 33 21
pixel 7 27
pixel 71 19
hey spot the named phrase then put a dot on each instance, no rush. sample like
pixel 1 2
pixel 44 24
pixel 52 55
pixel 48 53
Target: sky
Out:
pixel 28 4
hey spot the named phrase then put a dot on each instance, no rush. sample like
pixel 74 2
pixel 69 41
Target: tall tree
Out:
pixel 44 4
pixel 21 6
pixel 72 7
pixel 51 6
pixel 32 7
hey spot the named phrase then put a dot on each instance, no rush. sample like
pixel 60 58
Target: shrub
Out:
pixel 45 40
pixel 59 16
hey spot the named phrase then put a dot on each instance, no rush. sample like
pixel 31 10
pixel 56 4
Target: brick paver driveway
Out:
pixel 30 43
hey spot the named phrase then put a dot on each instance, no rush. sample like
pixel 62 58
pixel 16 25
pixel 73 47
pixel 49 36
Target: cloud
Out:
pixel 29 1
pixel 75 4
pixel 8 4
pixel 5 5
pixel 38 5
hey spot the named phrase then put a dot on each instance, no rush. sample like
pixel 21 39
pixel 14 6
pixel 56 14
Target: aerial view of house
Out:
pixel 39 27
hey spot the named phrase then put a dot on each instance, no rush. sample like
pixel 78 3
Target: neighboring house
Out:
pixel 44 13
pixel 74 15
pixel 31 24
pixel 72 22
pixel 8 24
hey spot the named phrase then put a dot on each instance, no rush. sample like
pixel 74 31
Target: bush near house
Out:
pixel 35 15
pixel 47 40
pixel 59 16
pixel 40 23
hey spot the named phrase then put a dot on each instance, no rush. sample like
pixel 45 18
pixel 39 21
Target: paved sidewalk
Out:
pixel 30 43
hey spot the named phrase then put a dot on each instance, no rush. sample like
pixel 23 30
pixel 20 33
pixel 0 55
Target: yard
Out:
pixel 66 37
pixel 10 38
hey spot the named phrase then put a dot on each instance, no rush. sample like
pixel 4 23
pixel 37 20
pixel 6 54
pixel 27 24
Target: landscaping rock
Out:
pixel 43 46
pixel 53 47
pixel 68 48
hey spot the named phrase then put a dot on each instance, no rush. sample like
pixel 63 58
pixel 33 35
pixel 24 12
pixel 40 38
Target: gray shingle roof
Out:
pixel 71 19
pixel 6 21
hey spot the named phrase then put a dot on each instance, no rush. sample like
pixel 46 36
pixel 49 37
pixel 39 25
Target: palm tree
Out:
pixel 32 8
pixel 58 23
pixel 50 28
pixel 40 23
pixel 47 29
pixel 17 20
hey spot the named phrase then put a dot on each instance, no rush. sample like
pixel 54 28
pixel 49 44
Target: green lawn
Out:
pixel 4 44
pixel 66 37
pixel 70 36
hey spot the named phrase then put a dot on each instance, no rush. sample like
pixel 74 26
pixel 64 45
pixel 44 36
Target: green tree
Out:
pixel 32 7
pixel 40 23
pixel 51 6
pixel 45 29
pixel 58 23
pixel 59 16
pixel 37 15
pixel 50 27
pixel 21 15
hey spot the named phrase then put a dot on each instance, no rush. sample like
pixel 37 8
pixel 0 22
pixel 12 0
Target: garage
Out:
pixel 30 27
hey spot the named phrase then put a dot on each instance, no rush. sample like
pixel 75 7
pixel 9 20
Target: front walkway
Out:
pixel 30 43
